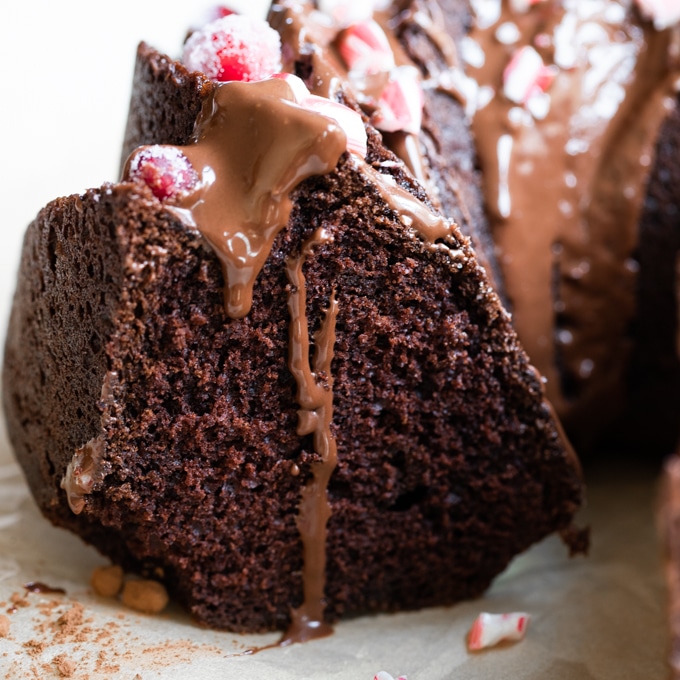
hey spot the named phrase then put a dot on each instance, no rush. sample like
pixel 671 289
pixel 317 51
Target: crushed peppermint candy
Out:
pixel 344 12
pixel 384 675
pixel 365 48
pixel 664 13
pixel 523 6
pixel 490 629
pixel 234 47
pixel 400 106
pixel 526 80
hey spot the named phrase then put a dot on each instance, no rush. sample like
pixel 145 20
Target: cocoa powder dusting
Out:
pixel 65 667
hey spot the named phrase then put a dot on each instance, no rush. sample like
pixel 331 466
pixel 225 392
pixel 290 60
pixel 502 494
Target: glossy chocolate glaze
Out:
pixel 439 159
pixel 252 146
pixel 315 395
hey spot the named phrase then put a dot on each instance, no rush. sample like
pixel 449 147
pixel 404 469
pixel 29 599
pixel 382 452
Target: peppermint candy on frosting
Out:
pixel 490 629
pixel 664 13
pixel 345 13
pixel 384 675
pixel 366 51
pixel 400 106
pixel 526 80
pixel 364 48
pixel 523 6
pixel 347 119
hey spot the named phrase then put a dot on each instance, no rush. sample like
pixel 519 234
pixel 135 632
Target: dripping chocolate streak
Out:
pixel 315 397
pixel 39 587
pixel 252 146
pixel 242 201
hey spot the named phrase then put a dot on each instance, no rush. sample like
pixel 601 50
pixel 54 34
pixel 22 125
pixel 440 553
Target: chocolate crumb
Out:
pixel 107 581
pixel 35 647
pixel 18 600
pixel 148 597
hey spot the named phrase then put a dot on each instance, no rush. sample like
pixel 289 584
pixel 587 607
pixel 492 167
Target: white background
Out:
pixel 65 74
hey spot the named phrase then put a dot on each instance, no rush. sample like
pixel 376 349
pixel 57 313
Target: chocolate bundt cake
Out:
pixel 581 100
pixel 265 369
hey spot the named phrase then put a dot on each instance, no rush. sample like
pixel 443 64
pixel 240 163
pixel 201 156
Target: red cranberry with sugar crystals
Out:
pixel 235 47
pixel 164 169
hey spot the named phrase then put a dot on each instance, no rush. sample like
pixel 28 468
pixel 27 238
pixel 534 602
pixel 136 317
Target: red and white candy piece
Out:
pixel 234 47
pixel 400 106
pixel 523 6
pixel 664 13
pixel 490 629
pixel 344 12
pixel 365 49
pixel 384 675
pixel 526 76
pixel 348 119
pixel 164 169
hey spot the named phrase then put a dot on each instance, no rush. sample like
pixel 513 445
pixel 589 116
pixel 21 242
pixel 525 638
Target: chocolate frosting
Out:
pixel 315 396
pixel 252 146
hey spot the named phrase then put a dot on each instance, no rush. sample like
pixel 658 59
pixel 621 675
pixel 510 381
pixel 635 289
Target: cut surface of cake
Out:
pixel 266 370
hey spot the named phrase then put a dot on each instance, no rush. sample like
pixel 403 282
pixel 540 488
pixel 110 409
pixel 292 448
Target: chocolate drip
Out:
pixel 39 587
pixel 414 214
pixel 315 397
pixel 82 473
pixel 252 146
pixel 85 468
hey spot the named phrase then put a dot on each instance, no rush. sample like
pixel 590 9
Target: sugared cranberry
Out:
pixel 234 47
pixel 165 169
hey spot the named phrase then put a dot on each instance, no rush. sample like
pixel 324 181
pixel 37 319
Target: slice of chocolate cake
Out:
pixel 267 371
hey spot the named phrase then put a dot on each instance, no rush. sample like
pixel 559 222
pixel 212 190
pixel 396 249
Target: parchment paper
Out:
pixel 595 618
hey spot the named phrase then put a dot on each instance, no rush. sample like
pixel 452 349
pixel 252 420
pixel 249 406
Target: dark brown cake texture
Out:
pixel 175 425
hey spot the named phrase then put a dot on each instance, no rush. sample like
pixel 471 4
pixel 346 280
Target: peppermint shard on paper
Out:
pixel 268 368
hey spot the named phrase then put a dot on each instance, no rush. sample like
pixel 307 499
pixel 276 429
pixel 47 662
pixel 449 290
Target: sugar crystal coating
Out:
pixel 234 47
pixel 165 169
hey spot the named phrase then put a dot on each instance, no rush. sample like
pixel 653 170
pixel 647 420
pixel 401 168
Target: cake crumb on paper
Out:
pixel 148 597
pixel 65 667
pixel 4 626
pixel 107 581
